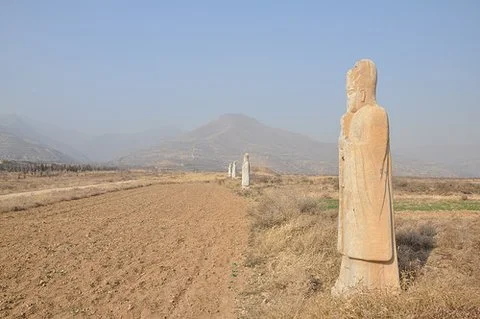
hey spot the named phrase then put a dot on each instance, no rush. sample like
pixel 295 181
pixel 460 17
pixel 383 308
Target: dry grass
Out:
pixel 404 187
pixel 292 263
pixel 436 186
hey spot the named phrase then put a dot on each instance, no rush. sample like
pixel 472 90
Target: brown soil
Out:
pixel 163 251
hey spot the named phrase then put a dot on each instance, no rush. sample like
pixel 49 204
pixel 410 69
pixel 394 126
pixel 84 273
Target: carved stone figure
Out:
pixel 246 171
pixel 229 169
pixel 366 234
pixel 234 169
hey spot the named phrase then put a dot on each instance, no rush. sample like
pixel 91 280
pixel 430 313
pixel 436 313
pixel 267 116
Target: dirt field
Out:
pixel 152 252
pixel 35 191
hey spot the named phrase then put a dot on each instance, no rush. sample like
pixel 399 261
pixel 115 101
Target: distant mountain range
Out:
pixel 70 145
pixel 226 139
pixel 13 147
pixel 214 145
pixel 20 141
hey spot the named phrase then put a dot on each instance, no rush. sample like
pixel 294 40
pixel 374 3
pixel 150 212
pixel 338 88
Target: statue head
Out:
pixel 361 85
pixel 246 157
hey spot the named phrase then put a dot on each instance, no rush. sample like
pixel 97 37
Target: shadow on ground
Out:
pixel 414 246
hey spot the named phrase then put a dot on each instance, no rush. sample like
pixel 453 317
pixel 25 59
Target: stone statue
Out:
pixel 234 169
pixel 366 234
pixel 246 171
pixel 229 169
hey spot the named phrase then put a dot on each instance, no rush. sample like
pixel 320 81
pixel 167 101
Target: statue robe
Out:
pixel 366 231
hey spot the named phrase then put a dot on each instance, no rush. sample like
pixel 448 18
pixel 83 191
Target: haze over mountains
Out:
pixel 213 145
pixel 20 141
pixel 70 145
pixel 224 140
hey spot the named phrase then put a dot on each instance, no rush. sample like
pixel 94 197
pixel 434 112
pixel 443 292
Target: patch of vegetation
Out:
pixel 440 205
pixel 412 204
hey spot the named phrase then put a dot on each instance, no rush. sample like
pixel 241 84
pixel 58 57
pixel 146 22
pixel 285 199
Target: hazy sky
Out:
pixel 107 66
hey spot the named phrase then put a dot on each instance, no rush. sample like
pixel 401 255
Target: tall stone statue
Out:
pixel 246 171
pixel 366 234
pixel 229 169
pixel 234 169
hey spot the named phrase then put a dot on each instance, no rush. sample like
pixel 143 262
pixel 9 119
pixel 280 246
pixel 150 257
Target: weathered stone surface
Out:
pixel 246 171
pixel 230 169
pixel 366 236
pixel 234 169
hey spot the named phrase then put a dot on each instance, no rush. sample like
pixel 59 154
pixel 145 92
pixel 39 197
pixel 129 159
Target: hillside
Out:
pixel 20 149
pixel 76 146
pixel 21 140
pixel 213 145
pixel 106 147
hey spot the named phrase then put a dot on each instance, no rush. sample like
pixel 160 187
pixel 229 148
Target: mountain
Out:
pixel 226 139
pixel 442 160
pixel 29 136
pixel 212 146
pixel 75 146
pixel 102 147
pixel 13 147
pixel 106 147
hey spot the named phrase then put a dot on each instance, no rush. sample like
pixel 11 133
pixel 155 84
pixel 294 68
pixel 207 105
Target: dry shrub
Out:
pixel 277 207
pixel 307 204
pixel 292 263
pixel 333 181
pixel 272 211
pixel 266 179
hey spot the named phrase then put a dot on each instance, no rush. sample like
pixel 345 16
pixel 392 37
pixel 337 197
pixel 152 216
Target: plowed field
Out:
pixel 163 251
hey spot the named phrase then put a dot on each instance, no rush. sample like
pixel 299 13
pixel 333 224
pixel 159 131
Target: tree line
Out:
pixel 47 169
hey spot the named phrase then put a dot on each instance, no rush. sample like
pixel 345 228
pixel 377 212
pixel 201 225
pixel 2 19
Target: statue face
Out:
pixel 361 85
pixel 355 98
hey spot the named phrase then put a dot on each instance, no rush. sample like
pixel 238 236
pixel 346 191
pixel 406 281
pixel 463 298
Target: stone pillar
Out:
pixel 229 169
pixel 246 171
pixel 366 232
pixel 234 169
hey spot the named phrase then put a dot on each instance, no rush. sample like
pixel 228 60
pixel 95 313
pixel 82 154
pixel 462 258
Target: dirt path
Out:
pixel 63 189
pixel 163 251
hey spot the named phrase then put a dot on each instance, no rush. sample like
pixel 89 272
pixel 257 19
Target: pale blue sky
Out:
pixel 108 66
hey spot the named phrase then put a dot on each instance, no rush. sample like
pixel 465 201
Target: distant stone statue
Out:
pixel 246 171
pixel 234 169
pixel 366 234
pixel 229 169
